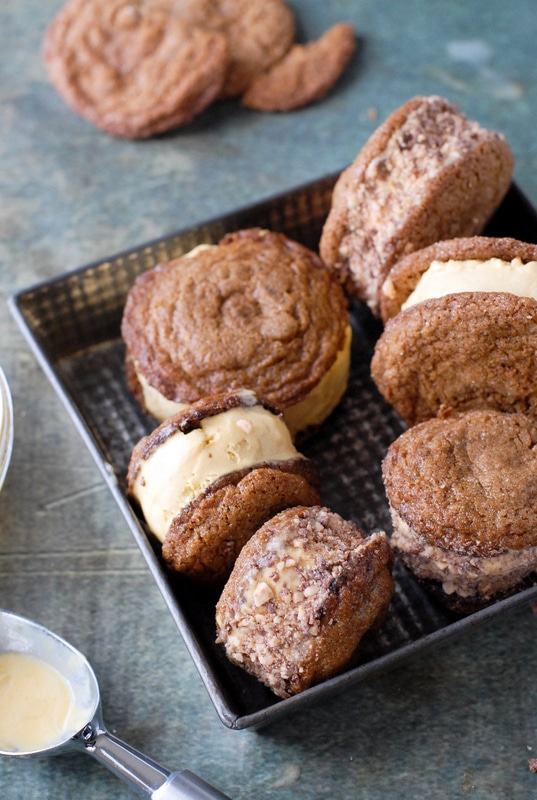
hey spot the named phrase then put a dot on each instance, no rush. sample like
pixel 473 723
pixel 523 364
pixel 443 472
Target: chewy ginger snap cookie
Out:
pixel 257 311
pixel 476 263
pixel 210 476
pixel 463 492
pixel 258 33
pixel 463 351
pixel 132 69
pixel 304 74
pixel 427 173
pixel 305 590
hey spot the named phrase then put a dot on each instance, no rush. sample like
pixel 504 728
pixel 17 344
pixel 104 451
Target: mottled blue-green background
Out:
pixel 458 722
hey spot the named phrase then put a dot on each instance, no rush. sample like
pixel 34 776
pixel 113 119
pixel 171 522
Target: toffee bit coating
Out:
pixel 304 591
pixel 462 351
pixel 463 492
pixel 304 74
pixel 131 68
pixel 427 173
pixel 257 311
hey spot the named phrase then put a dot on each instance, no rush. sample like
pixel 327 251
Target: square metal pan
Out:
pixel 72 324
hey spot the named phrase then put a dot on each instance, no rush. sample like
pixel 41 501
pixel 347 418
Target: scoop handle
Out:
pixel 184 785
pixel 142 773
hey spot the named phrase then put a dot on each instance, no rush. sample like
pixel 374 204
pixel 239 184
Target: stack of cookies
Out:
pixel 458 361
pixel 137 68
pixel 457 358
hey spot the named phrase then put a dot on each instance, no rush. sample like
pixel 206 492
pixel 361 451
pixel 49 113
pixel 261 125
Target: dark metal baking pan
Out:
pixel 72 324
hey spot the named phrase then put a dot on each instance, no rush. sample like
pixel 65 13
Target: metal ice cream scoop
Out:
pixel 19 635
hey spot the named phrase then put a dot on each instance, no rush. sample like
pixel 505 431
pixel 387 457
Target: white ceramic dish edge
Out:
pixel 6 427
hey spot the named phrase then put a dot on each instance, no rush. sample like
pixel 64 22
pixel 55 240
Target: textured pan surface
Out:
pixel 72 325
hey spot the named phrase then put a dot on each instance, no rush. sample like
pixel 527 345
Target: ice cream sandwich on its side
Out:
pixel 426 174
pixel 209 476
pixel 466 336
pixel 305 590
pixel 462 490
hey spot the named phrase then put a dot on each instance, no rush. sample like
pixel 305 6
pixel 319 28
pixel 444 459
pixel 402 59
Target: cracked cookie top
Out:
pixel 258 311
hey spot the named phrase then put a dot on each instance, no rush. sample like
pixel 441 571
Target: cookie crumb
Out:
pixel 532 763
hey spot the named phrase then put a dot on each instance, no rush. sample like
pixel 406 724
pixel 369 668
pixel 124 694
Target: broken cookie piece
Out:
pixel 304 74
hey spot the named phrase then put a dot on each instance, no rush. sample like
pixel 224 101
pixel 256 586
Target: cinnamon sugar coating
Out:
pixel 259 311
pixel 304 591
pixel 427 173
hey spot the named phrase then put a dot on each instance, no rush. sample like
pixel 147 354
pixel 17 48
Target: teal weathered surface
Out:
pixel 459 721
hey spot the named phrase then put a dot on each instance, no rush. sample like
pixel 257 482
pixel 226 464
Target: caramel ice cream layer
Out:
pixel 324 397
pixel 492 275
pixel 310 412
pixel 185 464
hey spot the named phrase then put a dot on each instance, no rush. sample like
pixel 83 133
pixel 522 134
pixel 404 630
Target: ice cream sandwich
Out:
pixel 462 490
pixel 472 347
pixel 208 477
pixel 305 590
pixel 258 311
pixel 475 263
pixel 426 174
